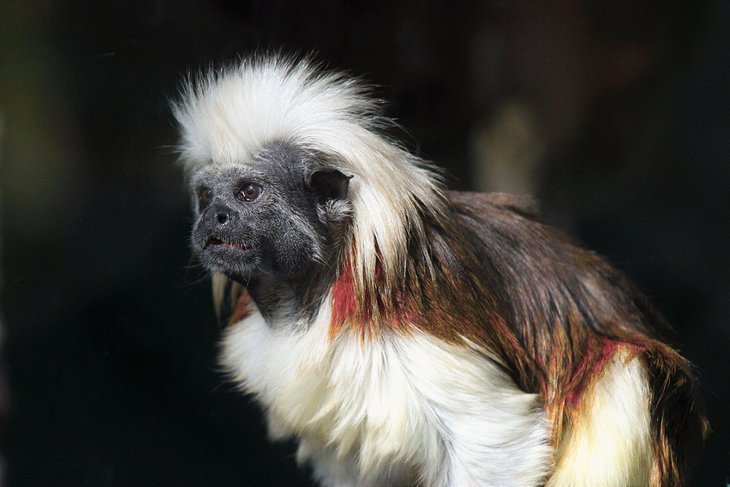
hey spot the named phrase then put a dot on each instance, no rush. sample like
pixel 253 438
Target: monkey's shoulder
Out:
pixel 523 205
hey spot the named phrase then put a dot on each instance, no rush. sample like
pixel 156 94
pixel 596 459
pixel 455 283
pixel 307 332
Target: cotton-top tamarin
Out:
pixel 406 334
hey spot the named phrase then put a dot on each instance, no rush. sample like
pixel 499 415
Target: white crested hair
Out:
pixel 227 116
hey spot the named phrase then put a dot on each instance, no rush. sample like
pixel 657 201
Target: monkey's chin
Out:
pixel 235 262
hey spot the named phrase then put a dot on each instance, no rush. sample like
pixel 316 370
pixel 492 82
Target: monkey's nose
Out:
pixel 222 215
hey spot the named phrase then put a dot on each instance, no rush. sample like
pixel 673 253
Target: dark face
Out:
pixel 277 215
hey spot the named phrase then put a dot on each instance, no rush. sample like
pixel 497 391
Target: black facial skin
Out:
pixel 268 223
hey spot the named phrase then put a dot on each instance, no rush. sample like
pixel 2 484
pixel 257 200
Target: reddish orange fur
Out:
pixel 242 308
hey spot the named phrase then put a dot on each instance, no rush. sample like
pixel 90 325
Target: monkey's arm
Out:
pixel 622 404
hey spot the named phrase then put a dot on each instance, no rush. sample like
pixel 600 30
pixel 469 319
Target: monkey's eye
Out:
pixel 250 191
pixel 204 196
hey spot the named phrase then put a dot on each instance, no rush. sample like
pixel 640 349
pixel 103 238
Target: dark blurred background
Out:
pixel 614 114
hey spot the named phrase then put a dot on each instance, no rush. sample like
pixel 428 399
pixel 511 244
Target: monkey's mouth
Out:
pixel 217 243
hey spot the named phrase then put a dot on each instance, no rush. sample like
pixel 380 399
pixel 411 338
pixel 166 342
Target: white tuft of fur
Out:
pixel 390 410
pixel 228 116
pixel 609 444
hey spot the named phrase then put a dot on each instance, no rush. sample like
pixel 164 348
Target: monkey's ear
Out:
pixel 328 183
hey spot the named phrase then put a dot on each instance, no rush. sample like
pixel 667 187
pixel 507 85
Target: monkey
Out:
pixel 405 334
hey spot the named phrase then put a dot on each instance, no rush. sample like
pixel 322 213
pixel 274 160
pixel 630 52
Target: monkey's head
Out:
pixel 269 145
pixel 280 214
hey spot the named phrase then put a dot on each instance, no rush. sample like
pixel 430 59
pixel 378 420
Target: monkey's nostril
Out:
pixel 221 218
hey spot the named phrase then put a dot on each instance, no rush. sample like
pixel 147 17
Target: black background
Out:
pixel 109 333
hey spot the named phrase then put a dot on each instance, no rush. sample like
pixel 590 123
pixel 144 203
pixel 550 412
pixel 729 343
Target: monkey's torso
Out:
pixel 411 406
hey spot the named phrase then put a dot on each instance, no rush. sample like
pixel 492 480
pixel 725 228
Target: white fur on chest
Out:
pixel 400 408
